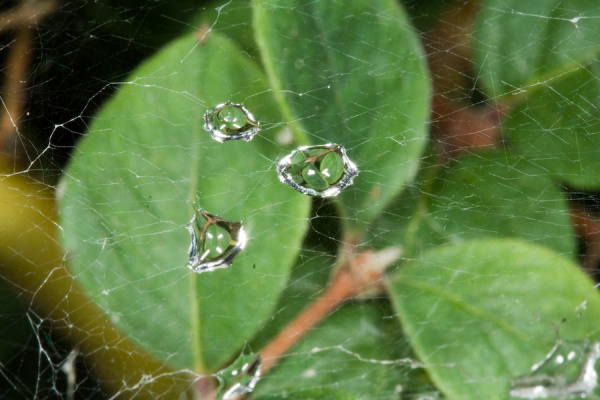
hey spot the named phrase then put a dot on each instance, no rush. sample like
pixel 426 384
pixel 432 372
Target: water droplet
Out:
pixel 214 241
pixel 229 121
pixel 321 171
pixel 240 377
pixel 567 372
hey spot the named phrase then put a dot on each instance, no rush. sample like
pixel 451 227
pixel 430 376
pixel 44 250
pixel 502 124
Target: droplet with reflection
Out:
pixel 214 241
pixel 322 170
pixel 230 121
pixel 240 377
pixel 567 372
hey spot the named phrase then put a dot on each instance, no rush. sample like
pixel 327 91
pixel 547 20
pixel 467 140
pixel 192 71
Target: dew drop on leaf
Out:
pixel 321 171
pixel 240 377
pixel 214 241
pixel 229 121
pixel 567 372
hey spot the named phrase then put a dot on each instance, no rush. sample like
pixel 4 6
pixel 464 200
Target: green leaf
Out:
pixel 496 194
pixel 483 312
pixel 547 68
pixel 310 394
pixel 128 194
pixel 351 73
pixel 557 128
pixel 491 194
pixel 520 45
pixel 347 355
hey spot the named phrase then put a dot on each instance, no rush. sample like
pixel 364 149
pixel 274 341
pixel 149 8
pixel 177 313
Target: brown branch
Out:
pixel 342 288
pixel 27 14
pixel 359 276
pixel 587 229
pixel 13 95
pixel 23 17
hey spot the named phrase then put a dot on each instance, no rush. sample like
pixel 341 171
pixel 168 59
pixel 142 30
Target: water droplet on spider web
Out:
pixel 229 121
pixel 214 241
pixel 240 377
pixel 321 171
pixel 567 372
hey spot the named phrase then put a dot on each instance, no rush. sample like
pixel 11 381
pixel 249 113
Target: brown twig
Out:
pixel 587 228
pixel 23 17
pixel 27 14
pixel 342 288
pixel 358 276
pixel 13 96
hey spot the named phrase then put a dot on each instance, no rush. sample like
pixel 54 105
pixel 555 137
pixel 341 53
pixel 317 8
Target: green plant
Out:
pixel 433 272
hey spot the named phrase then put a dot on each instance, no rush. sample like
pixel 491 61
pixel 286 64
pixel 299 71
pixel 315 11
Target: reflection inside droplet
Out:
pixel 240 377
pixel 214 241
pixel 567 372
pixel 229 121
pixel 321 171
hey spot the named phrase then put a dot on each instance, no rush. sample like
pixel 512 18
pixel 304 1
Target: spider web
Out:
pixel 63 61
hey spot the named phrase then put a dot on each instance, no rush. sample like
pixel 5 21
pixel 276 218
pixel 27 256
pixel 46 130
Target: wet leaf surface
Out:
pixel 359 80
pixel 547 69
pixel 128 196
pixel 547 39
pixel 491 194
pixel 556 129
pixel 483 312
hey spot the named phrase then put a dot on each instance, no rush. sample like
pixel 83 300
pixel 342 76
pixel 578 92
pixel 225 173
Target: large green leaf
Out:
pixel 557 128
pixel 349 356
pixel 520 45
pixel 483 312
pixel 351 73
pixel 543 57
pixel 127 195
pixel 492 194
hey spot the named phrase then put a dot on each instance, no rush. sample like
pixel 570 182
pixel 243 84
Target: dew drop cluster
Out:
pixel 319 171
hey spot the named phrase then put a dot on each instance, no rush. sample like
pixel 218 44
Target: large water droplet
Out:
pixel 567 372
pixel 214 241
pixel 321 171
pixel 240 377
pixel 229 121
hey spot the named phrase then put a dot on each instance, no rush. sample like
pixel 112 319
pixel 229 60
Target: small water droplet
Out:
pixel 214 241
pixel 567 372
pixel 321 171
pixel 229 121
pixel 240 377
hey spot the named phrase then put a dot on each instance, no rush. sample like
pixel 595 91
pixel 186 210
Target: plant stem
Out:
pixel 342 288
pixel 27 14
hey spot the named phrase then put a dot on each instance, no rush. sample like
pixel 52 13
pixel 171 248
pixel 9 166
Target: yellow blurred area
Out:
pixel 32 261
